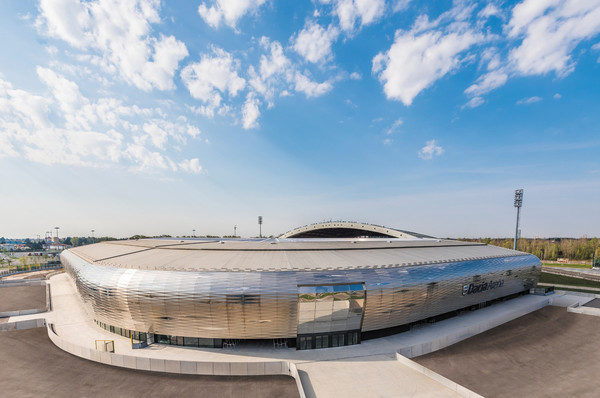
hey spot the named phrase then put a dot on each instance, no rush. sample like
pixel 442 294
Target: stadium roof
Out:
pixel 282 254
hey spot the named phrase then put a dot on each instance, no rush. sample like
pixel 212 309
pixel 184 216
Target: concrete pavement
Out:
pixel 322 371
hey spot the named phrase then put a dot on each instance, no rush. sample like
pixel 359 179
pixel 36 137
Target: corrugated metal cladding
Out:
pixel 264 304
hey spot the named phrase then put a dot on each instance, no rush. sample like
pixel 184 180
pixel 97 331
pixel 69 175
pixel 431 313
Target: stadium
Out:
pixel 318 286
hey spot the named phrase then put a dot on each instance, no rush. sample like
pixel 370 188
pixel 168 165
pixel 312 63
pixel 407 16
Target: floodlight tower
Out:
pixel 260 226
pixel 518 204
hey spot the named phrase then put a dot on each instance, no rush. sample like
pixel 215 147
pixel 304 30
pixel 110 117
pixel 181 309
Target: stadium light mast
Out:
pixel 260 226
pixel 518 204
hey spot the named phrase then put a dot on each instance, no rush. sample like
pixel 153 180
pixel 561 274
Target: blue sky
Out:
pixel 149 117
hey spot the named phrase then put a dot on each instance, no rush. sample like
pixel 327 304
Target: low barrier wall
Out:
pixel 22 325
pixel 465 332
pixel 182 367
pixel 564 298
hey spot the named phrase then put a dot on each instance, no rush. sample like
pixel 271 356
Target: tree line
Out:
pixel 582 249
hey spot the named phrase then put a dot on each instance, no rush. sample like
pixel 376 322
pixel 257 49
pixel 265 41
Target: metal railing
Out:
pixel 17 269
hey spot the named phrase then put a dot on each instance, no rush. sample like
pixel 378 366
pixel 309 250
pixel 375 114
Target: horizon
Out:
pixel 156 117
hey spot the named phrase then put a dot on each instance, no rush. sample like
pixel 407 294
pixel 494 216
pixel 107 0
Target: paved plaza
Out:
pixel 326 372
pixel 548 353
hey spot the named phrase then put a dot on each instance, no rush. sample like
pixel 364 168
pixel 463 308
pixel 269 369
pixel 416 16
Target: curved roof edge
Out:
pixel 331 228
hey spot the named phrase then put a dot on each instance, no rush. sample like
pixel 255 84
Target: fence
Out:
pixel 17 269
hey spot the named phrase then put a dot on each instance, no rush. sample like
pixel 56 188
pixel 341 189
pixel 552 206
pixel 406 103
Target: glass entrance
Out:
pixel 330 315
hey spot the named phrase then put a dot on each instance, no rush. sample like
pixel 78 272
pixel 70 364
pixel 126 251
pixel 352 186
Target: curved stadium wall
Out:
pixel 288 304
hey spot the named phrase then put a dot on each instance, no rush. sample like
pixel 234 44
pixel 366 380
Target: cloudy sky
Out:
pixel 151 117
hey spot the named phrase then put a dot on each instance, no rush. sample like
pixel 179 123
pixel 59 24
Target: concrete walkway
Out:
pixel 369 368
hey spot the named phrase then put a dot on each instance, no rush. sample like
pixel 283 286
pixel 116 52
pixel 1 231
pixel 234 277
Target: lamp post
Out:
pixel 234 231
pixel 194 233
pixel 260 226
pixel 518 204
pixel 93 236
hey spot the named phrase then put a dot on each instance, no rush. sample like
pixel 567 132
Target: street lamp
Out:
pixel 518 204
pixel 260 226
pixel 93 230
pixel 194 232
pixel 234 231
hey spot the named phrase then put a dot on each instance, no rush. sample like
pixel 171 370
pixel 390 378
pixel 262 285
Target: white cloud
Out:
pixel 157 135
pixel 416 60
pixel 276 62
pixel 120 31
pixel 400 5
pixel 557 96
pixel 474 103
pixel 310 88
pixel 394 126
pixel 487 83
pixel 349 12
pixel 314 42
pixel 272 67
pixel 250 112
pixel 355 76
pixel 65 127
pixel 430 150
pixel 212 76
pixel 529 100
pixel 64 91
pixel 550 31
pixel 191 165
pixel 228 11
pixel 488 11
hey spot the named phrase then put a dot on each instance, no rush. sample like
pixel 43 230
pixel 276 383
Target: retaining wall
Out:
pixel 22 325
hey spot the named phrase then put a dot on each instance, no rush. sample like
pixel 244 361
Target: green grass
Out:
pixel 560 265
pixel 567 280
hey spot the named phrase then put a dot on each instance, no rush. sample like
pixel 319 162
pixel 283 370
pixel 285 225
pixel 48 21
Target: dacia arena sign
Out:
pixel 482 287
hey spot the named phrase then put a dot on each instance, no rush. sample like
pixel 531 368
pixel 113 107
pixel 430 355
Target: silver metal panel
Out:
pixel 254 305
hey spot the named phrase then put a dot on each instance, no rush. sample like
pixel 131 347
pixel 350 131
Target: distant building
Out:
pixel 7 246
pixel 57 246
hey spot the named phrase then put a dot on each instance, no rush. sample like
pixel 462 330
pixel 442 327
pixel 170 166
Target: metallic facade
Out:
pixel 277 304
